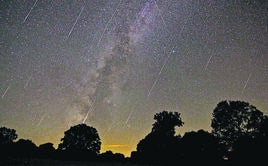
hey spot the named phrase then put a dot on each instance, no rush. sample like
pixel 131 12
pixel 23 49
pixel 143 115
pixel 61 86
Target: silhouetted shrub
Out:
pixel 25 148
pixel 46 150
pixel 111 157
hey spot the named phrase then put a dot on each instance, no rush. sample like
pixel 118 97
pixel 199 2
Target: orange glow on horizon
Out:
pixel 118 148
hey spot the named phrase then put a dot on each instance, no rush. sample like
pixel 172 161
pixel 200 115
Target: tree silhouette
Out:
pixel 46 147
pixel 46 150
pixel 166 122
pixel 200 146
pixel 234 119
pixel 252 149
pixel 25 148
pixel 239 132
pixel 110 156
pixel 81 138
pixel 264 127
pixel 160 146
pixel 7 135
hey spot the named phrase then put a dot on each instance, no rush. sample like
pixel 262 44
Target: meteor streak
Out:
pixel 160 72
pixel 245 84
pixel 27 83
pixel 106 26
pixel 129 117
pixel 164 64
pixel 208 62
pixel 30 11
pixel 156 80
pixel 85 117
pixel 3 95
pixel 160 13
pixel 70 32
pixel 91 108
pixel 41 120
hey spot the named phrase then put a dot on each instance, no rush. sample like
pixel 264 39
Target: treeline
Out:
pixel 239 135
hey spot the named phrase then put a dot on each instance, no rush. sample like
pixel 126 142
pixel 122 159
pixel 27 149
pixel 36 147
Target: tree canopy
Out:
pixel 7 135
pixel 234 119
pixel 201 146
pixel 166 122
pixel 81 138
pixel 161 143
pixel 46 147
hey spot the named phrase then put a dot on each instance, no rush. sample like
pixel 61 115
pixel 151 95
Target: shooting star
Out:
pixel 164 64
pixel 27 83
pixel 129 117
pixel 40 121
pixel 71 30
pixel 155 82
pixel 30 11
pixel 106 26
pixel 91 108
pixel 3 95
pixel 159 11
pixel 160 72
pixel 84 120
pixel 166 60
pixel 149 93
pixel 245 84
pixel 208 62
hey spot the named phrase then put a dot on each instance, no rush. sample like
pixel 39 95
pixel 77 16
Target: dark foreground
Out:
pixel 48 162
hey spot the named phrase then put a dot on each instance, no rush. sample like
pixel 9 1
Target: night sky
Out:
pixel 114 64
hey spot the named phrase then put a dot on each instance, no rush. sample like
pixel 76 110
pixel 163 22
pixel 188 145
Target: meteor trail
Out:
pixel 91 108
pixel 160 13
pixel 166 60
pixel 208 62
pixel 156 80
pixel 106 26
pixel 26 84
pixel 85 117
pixel 70 32
pixel 3 95
pixel 160 72
pixel 149 93
pixel 30 11
pixel 129 117
pixel 40 121
pixel 245 84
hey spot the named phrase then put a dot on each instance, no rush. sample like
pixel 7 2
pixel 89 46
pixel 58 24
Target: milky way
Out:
pixel 114 64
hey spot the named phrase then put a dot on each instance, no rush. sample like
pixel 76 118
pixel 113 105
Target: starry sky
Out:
pixel 113 64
